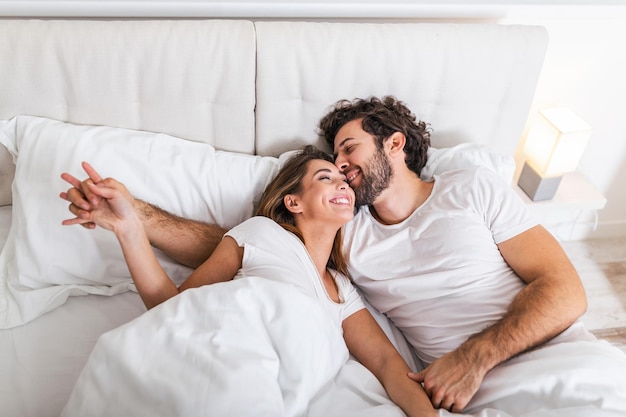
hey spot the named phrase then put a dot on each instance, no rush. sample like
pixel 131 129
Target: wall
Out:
pixel 584 67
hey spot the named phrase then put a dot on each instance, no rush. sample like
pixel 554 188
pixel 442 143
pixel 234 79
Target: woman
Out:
pixel 295 237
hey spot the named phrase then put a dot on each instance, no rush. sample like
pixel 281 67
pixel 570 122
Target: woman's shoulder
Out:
pixel 341 279
pixel 254 226
pixel 257 221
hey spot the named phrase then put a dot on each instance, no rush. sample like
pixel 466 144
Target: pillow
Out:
pixel 44 262
pixel 468 155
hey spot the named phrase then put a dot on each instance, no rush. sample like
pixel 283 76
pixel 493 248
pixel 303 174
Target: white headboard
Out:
pixel 261 87
pixel 188 78
pixel 473 83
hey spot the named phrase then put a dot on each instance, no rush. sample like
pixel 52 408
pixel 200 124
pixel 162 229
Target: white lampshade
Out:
pixel 556 142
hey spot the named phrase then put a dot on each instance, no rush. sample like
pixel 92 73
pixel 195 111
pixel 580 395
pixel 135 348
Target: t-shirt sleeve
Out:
pixel 352 301
pixel 250 230
pixel 505 213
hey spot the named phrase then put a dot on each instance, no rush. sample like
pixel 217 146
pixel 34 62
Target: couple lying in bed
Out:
pixel 456 263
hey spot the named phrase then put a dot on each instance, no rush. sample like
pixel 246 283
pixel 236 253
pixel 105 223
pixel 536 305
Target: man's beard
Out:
pixel 375 178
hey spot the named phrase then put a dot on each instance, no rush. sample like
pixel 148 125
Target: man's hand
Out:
pixel 451 381
pixel 80 197
pixel 96 200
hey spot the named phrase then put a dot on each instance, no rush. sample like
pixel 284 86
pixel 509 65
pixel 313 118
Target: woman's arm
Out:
pixel 187 241
pixel 153 284
pixel 115 212
pixel 369 344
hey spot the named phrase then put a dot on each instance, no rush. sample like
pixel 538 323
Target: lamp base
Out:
pixel 536 187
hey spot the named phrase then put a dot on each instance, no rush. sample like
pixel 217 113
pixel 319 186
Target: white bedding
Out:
pixel 260 348
pixel 248 347
pixel 579 377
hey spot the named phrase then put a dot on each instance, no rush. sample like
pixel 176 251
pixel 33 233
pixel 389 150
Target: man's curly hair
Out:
pixel 381 117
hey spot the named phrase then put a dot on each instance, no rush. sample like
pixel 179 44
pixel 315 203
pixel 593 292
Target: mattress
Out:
pixel 50 352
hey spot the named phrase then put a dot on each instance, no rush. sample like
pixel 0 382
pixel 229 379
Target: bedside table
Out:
pixel 573 210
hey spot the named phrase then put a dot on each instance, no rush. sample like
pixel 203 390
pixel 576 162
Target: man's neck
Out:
pixel 401 199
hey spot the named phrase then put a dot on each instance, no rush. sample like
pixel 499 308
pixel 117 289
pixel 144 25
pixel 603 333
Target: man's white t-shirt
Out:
pixel 271 252
pixel 439 275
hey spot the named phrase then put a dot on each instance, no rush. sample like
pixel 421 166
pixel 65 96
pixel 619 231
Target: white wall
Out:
pixel 585 66
pixel 585 69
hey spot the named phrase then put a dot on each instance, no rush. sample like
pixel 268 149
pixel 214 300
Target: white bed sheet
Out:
pixel 41 361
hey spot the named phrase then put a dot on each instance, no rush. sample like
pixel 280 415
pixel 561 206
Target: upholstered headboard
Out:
pixel 193 79
pixel 261 87
pixel 472 83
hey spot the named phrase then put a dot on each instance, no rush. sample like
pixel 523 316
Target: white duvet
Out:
pixel 248 347
pixel 254 347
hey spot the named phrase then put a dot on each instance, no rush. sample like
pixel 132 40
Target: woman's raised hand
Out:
pixel 97 201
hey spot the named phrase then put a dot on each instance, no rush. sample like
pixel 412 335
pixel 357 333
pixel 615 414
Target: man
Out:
pixel 456 263
pixel 483 284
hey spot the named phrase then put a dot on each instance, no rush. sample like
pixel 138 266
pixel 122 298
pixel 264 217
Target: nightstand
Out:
pixel 572 213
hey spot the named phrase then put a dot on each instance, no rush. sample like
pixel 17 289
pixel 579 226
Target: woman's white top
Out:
pixel 271 252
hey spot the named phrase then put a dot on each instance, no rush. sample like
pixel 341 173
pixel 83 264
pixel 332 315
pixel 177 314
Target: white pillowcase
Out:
pixel 468 155
pixel 44 262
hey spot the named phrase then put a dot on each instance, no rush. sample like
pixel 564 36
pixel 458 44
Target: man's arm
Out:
pixel 187 241
pixel 552 300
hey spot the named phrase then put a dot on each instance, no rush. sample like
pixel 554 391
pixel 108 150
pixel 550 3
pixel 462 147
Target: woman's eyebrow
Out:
pixel 323 170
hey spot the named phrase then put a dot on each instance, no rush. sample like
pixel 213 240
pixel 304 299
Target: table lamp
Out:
pixel 554 146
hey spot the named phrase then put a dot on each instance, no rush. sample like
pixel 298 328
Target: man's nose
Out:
pixel 341 164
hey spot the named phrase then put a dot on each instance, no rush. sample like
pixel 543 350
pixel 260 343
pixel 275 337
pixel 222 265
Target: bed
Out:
pixel 196 116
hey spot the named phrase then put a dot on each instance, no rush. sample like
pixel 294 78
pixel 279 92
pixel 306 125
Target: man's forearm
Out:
pixel 541 311
pixel 187 241
pixel 552 300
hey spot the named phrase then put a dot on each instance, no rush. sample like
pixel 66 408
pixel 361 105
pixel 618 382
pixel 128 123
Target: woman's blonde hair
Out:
pixel 289 181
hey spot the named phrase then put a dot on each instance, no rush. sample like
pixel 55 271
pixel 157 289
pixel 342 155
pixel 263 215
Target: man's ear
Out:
pixel 395 143
pixel 292 203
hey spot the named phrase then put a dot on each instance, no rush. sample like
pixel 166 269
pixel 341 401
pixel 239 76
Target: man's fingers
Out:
pixel 76 220
pixel 416 376
pixel 79 212
pixel 446 405
pixel 76 197
pixel 93 174
pixel 83 218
